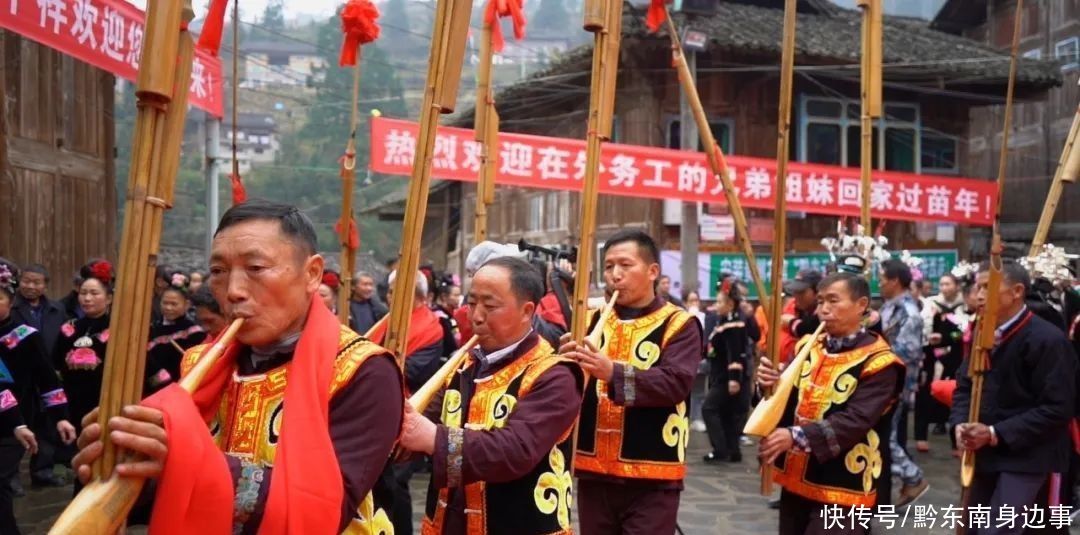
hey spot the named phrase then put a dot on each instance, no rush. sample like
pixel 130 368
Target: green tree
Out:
pixel 395 22
pixel 306 173
pixel 273 17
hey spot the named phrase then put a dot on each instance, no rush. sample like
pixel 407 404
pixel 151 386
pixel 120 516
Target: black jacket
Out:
pixel 1027 396
pixel 53 316
pixel 731 339
pixel 364 314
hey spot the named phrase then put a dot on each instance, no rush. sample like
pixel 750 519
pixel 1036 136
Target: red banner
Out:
pixel 635 171
pixel 107 34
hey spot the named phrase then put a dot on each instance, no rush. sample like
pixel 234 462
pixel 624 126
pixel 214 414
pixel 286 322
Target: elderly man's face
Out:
pixel 498 317
pixel 258 273
pixel 365 287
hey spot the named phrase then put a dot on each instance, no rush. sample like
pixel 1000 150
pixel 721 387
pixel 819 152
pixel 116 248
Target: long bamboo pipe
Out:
pixel 423 395
pixel 445 60
pixel 167 54
pixel 485 131
pixel 984 341
pixel 787 74
pixel 768 412
pixel 605 65
pixel 348 180
pixel 1068 170
pixel 102 506
pixel 715 157
pixel 870 91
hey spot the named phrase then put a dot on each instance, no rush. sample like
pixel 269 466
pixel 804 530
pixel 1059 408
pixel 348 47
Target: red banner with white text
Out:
pixel 636 171
pixel 107 34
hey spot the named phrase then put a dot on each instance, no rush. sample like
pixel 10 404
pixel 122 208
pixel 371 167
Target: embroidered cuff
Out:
pixel 455 442
pixel 53 398
pixel 247 494
pixel 801 442
pixel 629 392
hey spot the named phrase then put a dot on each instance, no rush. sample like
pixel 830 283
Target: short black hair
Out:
pixel 203 298
pixel 294 224
pixel 1013 273
pixel 525 281
pixel 894 269
pixel 950 276
pixel 856 285
pixel 36 268
pixel 646 245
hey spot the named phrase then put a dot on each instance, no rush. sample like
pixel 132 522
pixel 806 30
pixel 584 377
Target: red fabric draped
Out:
pixel 210 38
pixel 359 23
pixel 239 193
pixel 424 330
pixel 496 9
pixel 195 490
pixel 354 233
pixel 656 15
pixel 306 488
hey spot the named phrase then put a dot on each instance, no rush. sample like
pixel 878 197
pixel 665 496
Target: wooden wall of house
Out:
pixel 1039 127
pixel 57 179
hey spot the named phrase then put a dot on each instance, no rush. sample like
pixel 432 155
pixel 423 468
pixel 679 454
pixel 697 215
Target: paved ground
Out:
pixel 718 499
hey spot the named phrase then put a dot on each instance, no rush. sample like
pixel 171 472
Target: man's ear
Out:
pixel 654 272
pixel 313 272
pixel 529 308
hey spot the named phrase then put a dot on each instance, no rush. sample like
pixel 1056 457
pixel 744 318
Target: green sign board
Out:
pixel 935 263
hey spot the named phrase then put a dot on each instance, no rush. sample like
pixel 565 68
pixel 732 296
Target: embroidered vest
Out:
pixel 537 503
pixel 824 386
pixel 627 441
pixel 248 422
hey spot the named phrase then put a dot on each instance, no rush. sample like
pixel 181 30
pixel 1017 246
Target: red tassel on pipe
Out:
pixel 210 38
pixel 496 9
pixel 359 23
pixel 655 16
pixel 239 194
pixel 354 233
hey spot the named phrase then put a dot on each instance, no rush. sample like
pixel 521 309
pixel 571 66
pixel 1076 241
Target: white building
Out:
pixel 257 141
pixel 284 62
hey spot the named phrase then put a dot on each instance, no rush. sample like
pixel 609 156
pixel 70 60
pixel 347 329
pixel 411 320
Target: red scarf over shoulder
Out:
pixel 424 330
pixel 195 492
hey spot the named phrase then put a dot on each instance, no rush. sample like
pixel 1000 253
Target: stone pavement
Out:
pixel 718 498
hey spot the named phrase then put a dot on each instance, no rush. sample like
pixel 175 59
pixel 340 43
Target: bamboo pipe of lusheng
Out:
pixel 870 92
pixel 149 192
pixel 787 72
pixel 103 505
pixel 348 180
pixel 595 337
pixel 423 395
pixel 767 414
pixel 601 103
pixel 716 160
pixel 444 71
pixel 485 131
pixel 1068 170
pixel 979 362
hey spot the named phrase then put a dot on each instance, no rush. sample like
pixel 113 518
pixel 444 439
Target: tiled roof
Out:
pixel 913 52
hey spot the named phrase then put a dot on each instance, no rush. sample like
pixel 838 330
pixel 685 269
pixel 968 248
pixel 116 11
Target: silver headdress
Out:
pixel 869 248
pixel 1051 263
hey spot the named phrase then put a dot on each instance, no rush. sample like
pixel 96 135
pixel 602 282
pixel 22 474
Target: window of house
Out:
pixel 938 153
pixel 1068 53
pixel 277 59
pixel 535 215
pixel 556 211
pixel 830 132
pixel 721 130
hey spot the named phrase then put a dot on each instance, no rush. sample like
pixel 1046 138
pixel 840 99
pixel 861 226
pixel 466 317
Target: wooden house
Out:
pixel 57 177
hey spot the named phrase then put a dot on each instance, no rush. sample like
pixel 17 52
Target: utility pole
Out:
pixel 688 140
pixel 212 167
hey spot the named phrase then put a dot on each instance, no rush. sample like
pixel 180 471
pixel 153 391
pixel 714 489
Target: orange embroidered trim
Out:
pixel 793 479
pixel 621 339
